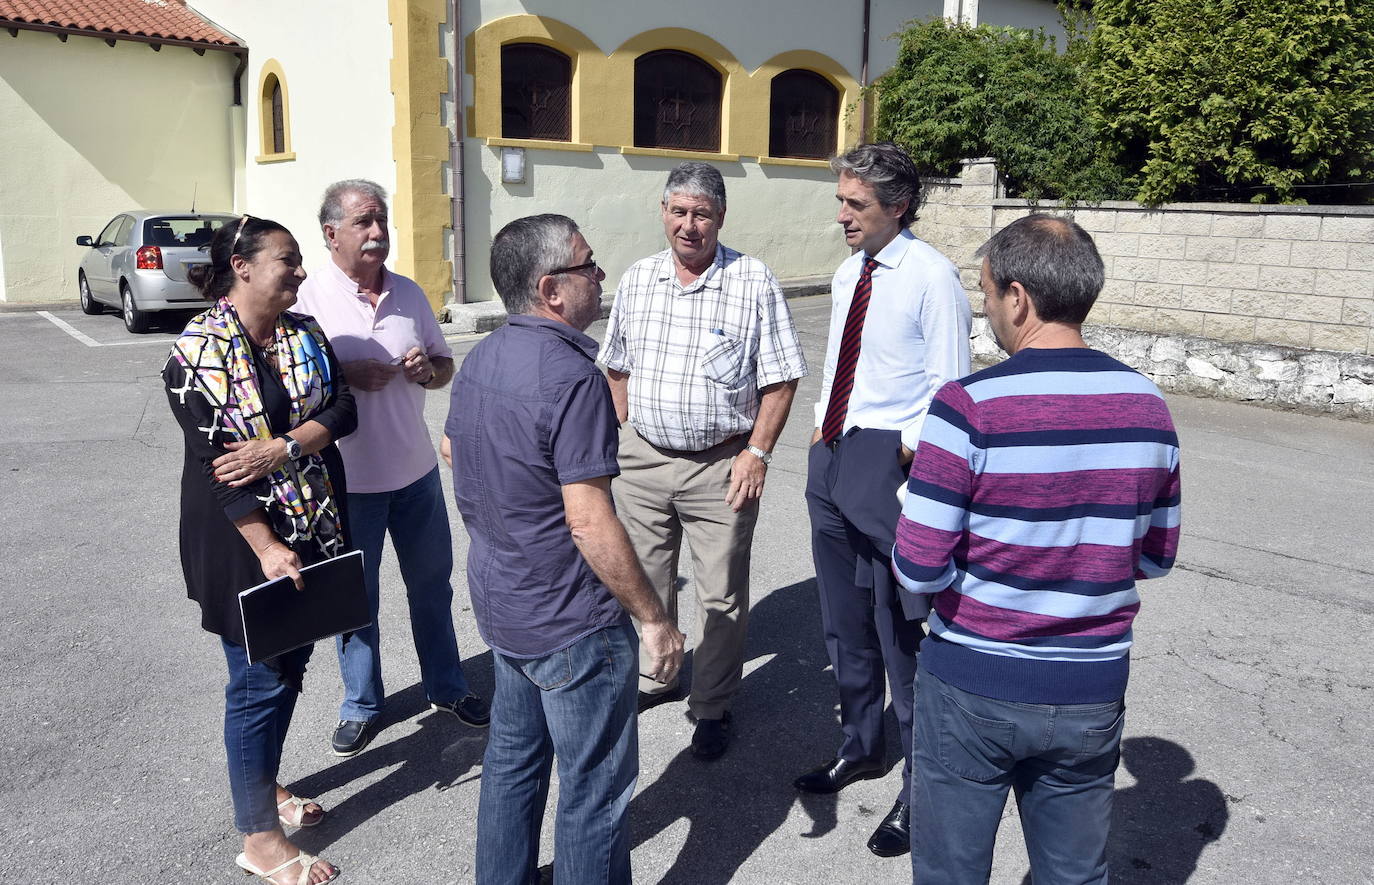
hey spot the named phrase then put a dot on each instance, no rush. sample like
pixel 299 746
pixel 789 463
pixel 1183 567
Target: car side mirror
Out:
pixel 85 241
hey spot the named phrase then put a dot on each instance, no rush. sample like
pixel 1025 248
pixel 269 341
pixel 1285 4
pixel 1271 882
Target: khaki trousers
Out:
pixel 662 496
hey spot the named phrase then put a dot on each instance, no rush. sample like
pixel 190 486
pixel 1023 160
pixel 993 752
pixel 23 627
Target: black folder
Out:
pixel 278 618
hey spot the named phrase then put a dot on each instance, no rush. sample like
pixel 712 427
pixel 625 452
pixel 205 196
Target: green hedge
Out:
pixel 1158 100
pixel 958 91
pixel 1242 98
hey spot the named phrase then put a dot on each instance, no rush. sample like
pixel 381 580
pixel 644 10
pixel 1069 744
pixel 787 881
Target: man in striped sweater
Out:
pixel 1043 488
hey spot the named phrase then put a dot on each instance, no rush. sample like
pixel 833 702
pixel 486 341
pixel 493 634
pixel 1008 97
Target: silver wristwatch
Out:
pixel 759 453
pixel 293 448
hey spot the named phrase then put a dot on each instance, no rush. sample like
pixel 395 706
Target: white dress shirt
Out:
pixel 915 337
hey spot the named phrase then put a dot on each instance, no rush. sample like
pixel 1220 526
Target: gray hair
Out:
pixel 1053 259
pixel 888 170
pixel 697 180
pixel 525 250
pixel 331 207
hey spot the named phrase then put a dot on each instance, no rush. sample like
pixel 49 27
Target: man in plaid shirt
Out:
pixel 703 362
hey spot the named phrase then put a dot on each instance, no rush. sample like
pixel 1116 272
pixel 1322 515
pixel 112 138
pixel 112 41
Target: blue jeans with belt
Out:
pixel 417 519
pixel 576 705
pixel 1060 759
pixel 258 702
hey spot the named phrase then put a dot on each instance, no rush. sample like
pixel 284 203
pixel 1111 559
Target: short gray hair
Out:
pixel 331 207
pixel 889 170
pixel 1053 259
pixel 525 250
pixel 698 180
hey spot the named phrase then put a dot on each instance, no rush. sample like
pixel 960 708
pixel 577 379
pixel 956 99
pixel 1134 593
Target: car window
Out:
pixel 107 236
pixel 126 225
pixel 170 231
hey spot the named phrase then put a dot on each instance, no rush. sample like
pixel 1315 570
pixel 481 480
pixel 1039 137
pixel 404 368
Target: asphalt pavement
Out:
pixel 1246 757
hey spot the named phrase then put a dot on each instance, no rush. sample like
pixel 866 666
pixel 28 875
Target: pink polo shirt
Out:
pixel 391 447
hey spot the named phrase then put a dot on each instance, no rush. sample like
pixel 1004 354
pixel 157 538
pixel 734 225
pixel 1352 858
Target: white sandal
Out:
pixel 305 860
pixel 298 812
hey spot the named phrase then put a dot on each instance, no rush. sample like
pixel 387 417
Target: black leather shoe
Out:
pixel 649 701
pixel 351 736
pixel 893 836
pixel 837 774
pixel 711 737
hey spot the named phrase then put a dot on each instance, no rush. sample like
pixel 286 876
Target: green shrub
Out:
pixel 1253 99
pixel 958 91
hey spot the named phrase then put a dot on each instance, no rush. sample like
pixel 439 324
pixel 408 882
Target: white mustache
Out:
pixel 374 245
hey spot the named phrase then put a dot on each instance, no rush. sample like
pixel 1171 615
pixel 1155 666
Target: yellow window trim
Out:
pixel 272 68
pixel 794 161
pixel 603 88
pixel 545 144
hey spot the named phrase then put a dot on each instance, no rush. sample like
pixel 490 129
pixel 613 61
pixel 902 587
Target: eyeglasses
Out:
pixel 238 233
pixel 590 265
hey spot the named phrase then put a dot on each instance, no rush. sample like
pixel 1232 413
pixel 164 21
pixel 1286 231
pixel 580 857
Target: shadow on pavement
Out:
pixel 1161 826
pixel 785 724
pixel 441 754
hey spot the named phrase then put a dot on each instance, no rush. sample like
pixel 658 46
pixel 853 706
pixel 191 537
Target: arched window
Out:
pixel 274 115
pixel 804 113
pixel 536 92
pixel 677 102
pixel 278 116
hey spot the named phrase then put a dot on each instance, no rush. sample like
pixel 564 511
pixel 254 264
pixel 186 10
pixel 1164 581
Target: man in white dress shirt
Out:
pixel 899 329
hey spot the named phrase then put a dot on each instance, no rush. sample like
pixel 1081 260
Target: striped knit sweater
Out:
pixel 1043 488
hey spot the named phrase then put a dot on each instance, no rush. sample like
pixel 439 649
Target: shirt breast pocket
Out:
pixel 723 362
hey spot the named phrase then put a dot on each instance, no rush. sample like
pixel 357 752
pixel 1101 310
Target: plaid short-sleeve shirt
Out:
pixel 697 355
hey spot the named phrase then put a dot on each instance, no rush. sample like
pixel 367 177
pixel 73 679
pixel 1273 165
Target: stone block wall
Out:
pixel 1244 301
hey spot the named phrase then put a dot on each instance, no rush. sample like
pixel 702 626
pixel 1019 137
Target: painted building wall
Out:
pixel 92 130
pixel 336 70
pixel 781 211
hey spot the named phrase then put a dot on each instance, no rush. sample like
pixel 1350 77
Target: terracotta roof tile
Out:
pixel 169 19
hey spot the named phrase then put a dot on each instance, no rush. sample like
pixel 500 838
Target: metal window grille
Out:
pixel 803 116
pixel 278 119
pixel 677 102
pixel 536 92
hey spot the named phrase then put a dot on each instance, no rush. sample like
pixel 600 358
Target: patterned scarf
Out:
pixel 217 355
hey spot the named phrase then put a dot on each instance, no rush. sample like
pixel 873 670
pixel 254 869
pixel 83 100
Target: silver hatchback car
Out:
pixel 138 263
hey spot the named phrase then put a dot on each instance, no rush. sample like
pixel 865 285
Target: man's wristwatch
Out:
pixel 759 453
pixel 293 448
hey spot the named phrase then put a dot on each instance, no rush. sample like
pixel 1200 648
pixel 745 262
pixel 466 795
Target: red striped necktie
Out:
pixel 843 384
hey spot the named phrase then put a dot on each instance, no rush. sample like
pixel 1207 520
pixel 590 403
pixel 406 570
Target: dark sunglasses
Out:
pixel 590 265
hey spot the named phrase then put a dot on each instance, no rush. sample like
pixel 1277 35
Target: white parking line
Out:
pixel 91 342
pixel 69 329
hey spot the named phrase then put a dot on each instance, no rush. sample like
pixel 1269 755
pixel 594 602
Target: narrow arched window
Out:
pixel 278 116
pixel 677 102
pixel 536 92
pixel 274 114
pixel 804 113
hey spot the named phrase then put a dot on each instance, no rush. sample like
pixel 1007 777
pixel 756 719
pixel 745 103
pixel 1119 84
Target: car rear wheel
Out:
pixel 135 320
pixel 88 303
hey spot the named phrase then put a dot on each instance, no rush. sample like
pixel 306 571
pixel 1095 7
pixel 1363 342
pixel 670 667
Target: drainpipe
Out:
pixel 455 157
pixel 865 110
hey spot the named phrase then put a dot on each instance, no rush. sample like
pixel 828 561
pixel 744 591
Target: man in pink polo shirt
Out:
pixel 392 351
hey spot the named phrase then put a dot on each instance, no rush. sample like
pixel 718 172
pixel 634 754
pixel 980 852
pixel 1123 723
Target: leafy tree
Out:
pixel 958 91
pixel 1257 98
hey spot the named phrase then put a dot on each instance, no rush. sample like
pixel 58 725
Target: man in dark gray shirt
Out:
pixel 551 572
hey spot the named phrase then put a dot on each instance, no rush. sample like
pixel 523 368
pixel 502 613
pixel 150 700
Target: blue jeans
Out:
pixel 418 522
pixel 258 702
pixel 577 705
pixel 969 750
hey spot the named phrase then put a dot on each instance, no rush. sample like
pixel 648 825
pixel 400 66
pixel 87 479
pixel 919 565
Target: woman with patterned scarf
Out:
pixel 260 399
